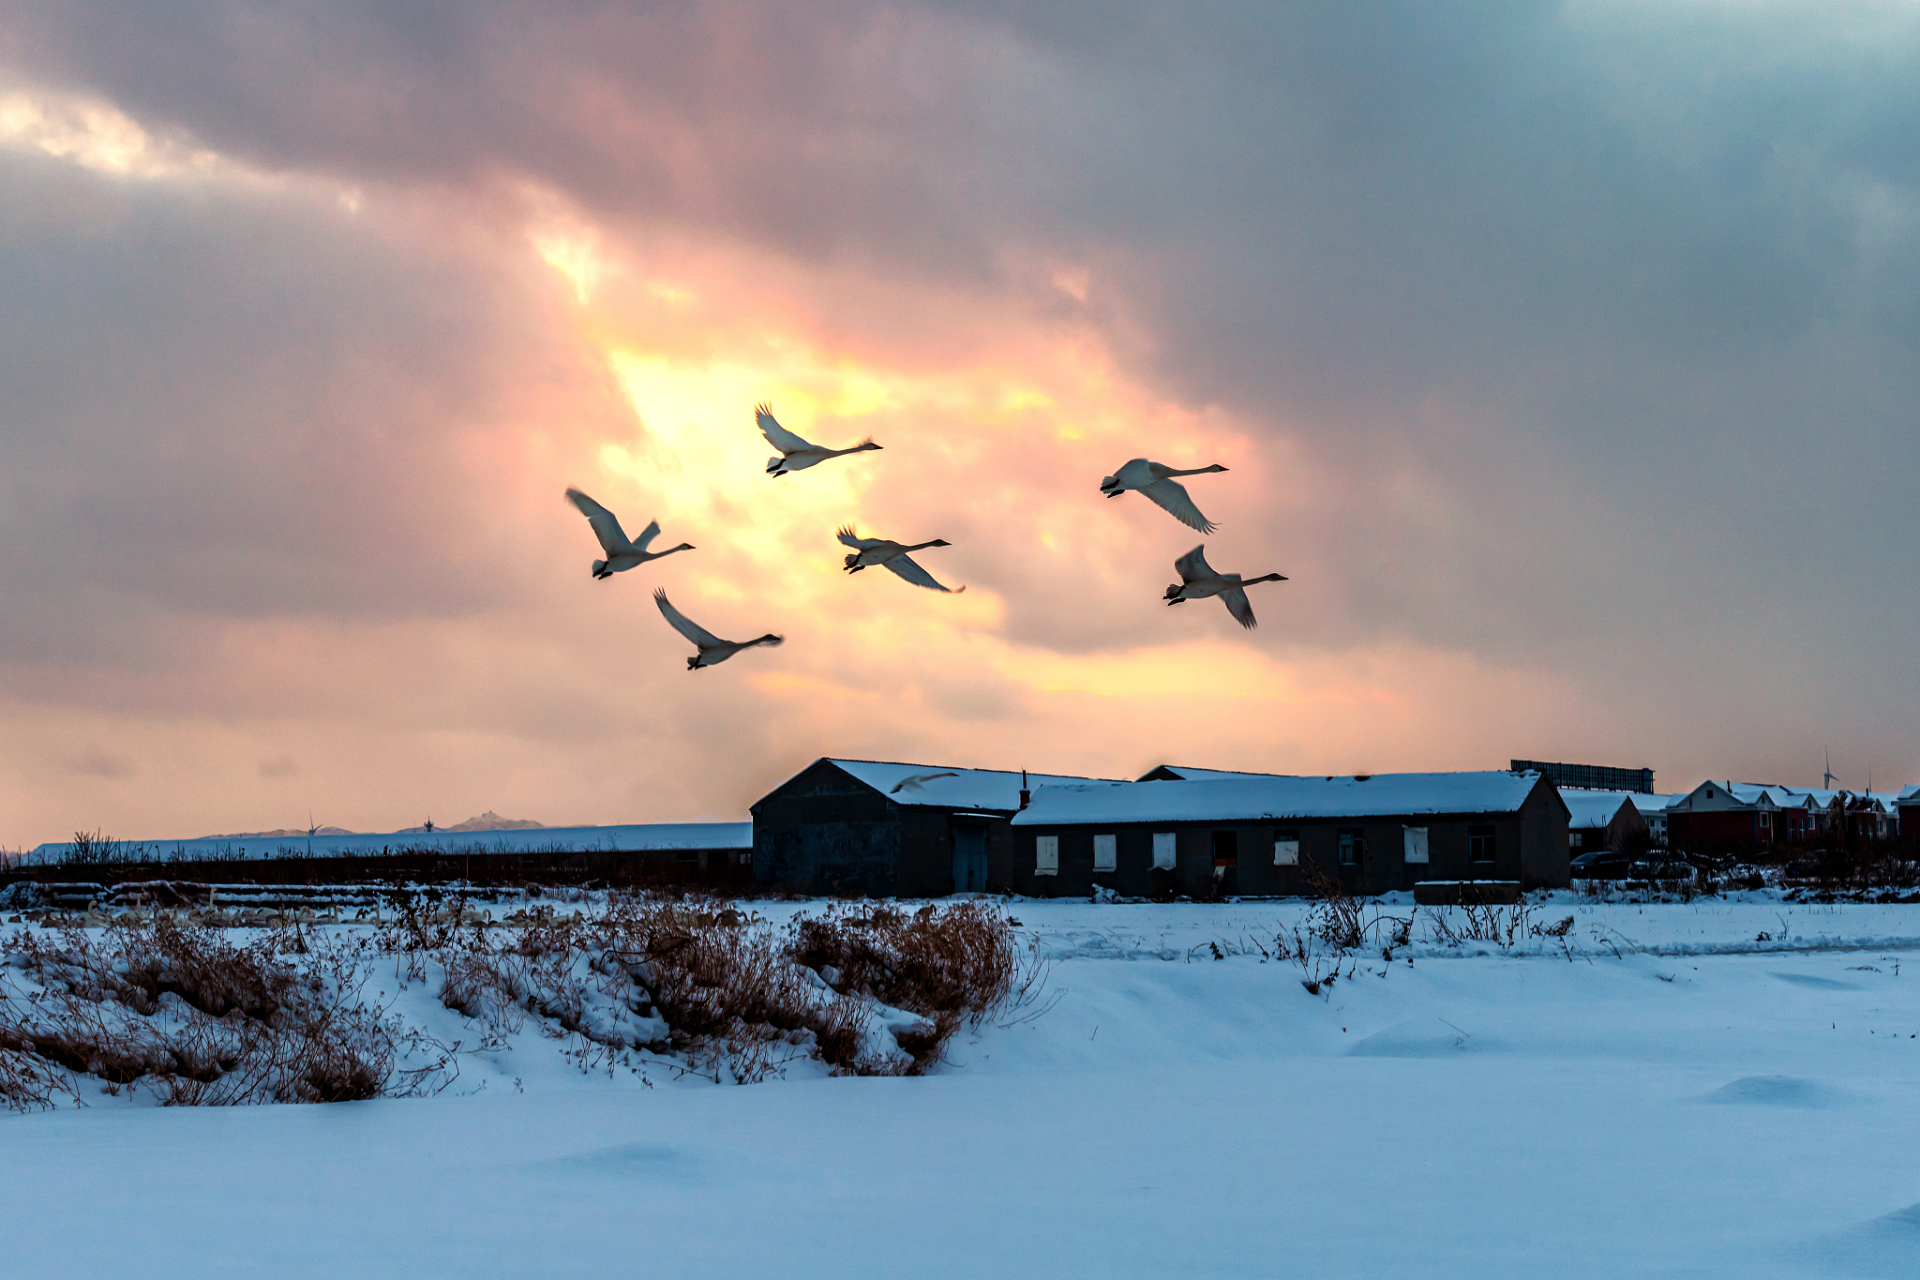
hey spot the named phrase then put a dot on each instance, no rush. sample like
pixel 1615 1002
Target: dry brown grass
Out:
pixel 192 1018
pixel 691 984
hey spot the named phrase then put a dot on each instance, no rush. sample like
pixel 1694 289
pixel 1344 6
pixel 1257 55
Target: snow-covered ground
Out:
pixel 1680 1097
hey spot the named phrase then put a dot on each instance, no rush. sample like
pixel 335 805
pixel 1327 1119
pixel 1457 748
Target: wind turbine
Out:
pixel 1827 778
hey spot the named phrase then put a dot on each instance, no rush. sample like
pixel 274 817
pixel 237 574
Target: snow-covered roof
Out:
pixel 1761 795
pixel 1593 808
pixel 1773 795
pixel 946 787
pixel 634 838
pixel 1648 803
pixel 1261 797
pixel 1216 775
pixel 1911 795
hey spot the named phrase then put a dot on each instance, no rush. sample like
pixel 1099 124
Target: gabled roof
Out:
pixel 1593 808
pixel 1749 794
pixel 1262 797
pixel 946 787
pixel 1911 795
pixel 1647 802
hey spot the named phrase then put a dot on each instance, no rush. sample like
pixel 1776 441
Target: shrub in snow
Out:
pixel 178 1011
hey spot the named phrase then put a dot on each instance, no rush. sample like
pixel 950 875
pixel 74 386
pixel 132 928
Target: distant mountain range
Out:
pixel 488 821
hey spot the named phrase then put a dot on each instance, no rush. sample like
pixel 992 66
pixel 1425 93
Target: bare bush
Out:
pixel 696 985
pixel 1492 922
pixel 180 1012
pixel 956 963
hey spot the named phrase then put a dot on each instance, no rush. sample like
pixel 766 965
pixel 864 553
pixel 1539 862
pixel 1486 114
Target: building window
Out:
pixel 1352 844
pixel 1576 839
pixel 1286 848
pixel 1416 844
pixel 1046 855
pixel 1766 821
pixel 1226 848
pixel 1163 850
pixel 1480 842
pixel 1105 852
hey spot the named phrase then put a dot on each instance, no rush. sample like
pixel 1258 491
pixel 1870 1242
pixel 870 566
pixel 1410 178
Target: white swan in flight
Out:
pixel 1155 481
pixel 796 454
pixel 1198 580
pixel 622 554
pixel 713 650
pixel 872 551
pixel 915 783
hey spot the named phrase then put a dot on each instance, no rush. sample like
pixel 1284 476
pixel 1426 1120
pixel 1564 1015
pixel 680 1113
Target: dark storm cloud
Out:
pixel 237 405
pixel 1601 323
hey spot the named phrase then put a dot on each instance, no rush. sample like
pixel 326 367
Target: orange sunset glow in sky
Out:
pixel 311 321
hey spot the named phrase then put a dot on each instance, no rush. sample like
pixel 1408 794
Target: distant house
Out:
pixel 1907 805
pixel 1729 816
pixel 1653 808
pixel 1257 833
pixel 890 829
pixel 1603 821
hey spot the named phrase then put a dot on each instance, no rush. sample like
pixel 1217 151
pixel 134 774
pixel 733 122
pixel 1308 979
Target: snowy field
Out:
pixel 1664 1093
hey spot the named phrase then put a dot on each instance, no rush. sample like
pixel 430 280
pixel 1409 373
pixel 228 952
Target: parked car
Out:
pixel 1602 864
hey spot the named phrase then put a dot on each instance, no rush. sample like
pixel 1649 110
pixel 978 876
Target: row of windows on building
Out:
pixel 1286 848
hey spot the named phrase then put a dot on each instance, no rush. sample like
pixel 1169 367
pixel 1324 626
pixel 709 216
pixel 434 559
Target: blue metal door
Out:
pixel 969 858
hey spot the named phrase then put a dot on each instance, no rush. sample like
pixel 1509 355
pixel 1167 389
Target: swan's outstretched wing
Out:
pixel 1237 605
pixel 1171 496
pixel 777 436
pixel 906 568
pixel 849 538
pixel 914 782
pixel 701 637
pixel 647 535
pixel 1193 566
pixel 613 539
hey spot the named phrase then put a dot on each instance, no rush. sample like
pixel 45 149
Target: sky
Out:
pixel 1565 357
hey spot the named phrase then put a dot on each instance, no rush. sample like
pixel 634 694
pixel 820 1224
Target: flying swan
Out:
pixel 1155 481
pixel 1198 580
pixel 796 454
pixel 713 650
pixel 872 551
pixel 622 554
pixel 916 782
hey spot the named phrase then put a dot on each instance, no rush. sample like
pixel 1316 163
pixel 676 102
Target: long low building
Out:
pixel 703 840
pixel 1214 833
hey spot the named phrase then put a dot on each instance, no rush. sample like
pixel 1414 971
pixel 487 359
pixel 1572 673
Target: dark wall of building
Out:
pixel 1544 858
pixel 1713 830
pixel 1379 865
pixel 825 831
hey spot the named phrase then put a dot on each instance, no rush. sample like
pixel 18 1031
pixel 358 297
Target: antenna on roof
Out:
pixel 1827 783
